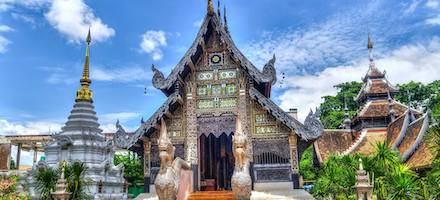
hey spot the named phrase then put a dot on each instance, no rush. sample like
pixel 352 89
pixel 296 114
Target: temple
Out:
pixel 212 85
pixel 380 118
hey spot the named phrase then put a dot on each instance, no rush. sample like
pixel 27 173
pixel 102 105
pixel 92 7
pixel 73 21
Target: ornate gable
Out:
pixel 212 36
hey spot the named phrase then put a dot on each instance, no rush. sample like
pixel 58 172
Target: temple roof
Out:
pixel 211 23
pixel 377 86
pixel 405 134
pixel 380 108
pixel 334 141
pixel 311 129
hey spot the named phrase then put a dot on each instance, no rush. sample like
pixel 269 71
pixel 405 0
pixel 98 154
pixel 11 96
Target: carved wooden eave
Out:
pixel 126 140
pixel 265 78
pixel 312 128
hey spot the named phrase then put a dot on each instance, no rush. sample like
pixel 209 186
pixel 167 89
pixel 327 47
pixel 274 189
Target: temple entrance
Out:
pixel 216 162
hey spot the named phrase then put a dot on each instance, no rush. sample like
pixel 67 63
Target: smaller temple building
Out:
pixel 380 118
pixel 82 140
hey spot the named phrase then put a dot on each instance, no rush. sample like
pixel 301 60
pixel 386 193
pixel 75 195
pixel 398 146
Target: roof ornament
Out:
pixel 218 9
pixel 210 8
pixel 225 20
pixel 269 70
pixel 158 77
pixel 313 124
pixel 85 93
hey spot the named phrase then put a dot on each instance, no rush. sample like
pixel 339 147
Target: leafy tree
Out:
pixel 133 171
pixel 332 109
pixel 306 165
pixel 46 179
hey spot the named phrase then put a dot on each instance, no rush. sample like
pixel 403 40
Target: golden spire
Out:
pixel 370 43
pixel 210 8
pixel 84 93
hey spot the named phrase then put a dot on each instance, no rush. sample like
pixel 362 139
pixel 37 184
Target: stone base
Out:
pixel 263 191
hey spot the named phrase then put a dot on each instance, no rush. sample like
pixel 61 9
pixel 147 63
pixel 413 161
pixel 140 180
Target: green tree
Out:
pixel 306 165
pixel 133 171
pixel 332 109
pixel 415 92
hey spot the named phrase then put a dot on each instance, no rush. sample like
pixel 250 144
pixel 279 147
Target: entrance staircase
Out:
pixel 212 195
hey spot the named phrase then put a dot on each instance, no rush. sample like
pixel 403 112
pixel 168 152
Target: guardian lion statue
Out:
pixel 167 180
pixel 241 179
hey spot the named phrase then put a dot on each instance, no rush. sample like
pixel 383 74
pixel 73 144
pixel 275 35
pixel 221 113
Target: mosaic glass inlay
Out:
pixel 202 76
pixel 226 74
pixel 266 129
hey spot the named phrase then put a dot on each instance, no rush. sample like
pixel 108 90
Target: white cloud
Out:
pixel 27 128
pixel 434 4
pixel 412 7
pixel 434 20
pixel 73 17
pixel 417 62
pixel 316 46
pixel 151 43
pixel 4 28
pixel 3 44
pixel 124 74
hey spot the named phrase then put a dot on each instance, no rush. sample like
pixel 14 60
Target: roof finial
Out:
pixel 370 47
pixel 218 10
pixel 84 93
pixel 225 19
pixel 361 167
pixel 210 8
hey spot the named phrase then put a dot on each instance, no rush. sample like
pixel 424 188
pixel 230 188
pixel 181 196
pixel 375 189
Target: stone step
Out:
pixel 212 195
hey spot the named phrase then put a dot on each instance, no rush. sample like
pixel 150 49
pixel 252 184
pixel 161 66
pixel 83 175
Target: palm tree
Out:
pixel 402 183
pixel 384 160
pixel 76 182
pixel 46 179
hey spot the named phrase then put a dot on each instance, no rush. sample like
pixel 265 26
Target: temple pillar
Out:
pixel 191 154
pixel 17 164
pixel 147 164
pixel 34 148
pixel 293 148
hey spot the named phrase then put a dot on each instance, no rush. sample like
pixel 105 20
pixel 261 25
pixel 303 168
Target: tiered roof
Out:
pixel 375 81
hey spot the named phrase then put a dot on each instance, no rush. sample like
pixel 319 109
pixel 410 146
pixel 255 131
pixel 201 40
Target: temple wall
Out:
pixel 271 152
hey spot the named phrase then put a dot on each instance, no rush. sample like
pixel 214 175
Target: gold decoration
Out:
pixel 210 8
pixel 370 43
pixel 85 93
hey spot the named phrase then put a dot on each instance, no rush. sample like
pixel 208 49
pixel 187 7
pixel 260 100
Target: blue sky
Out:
pixel 318 43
